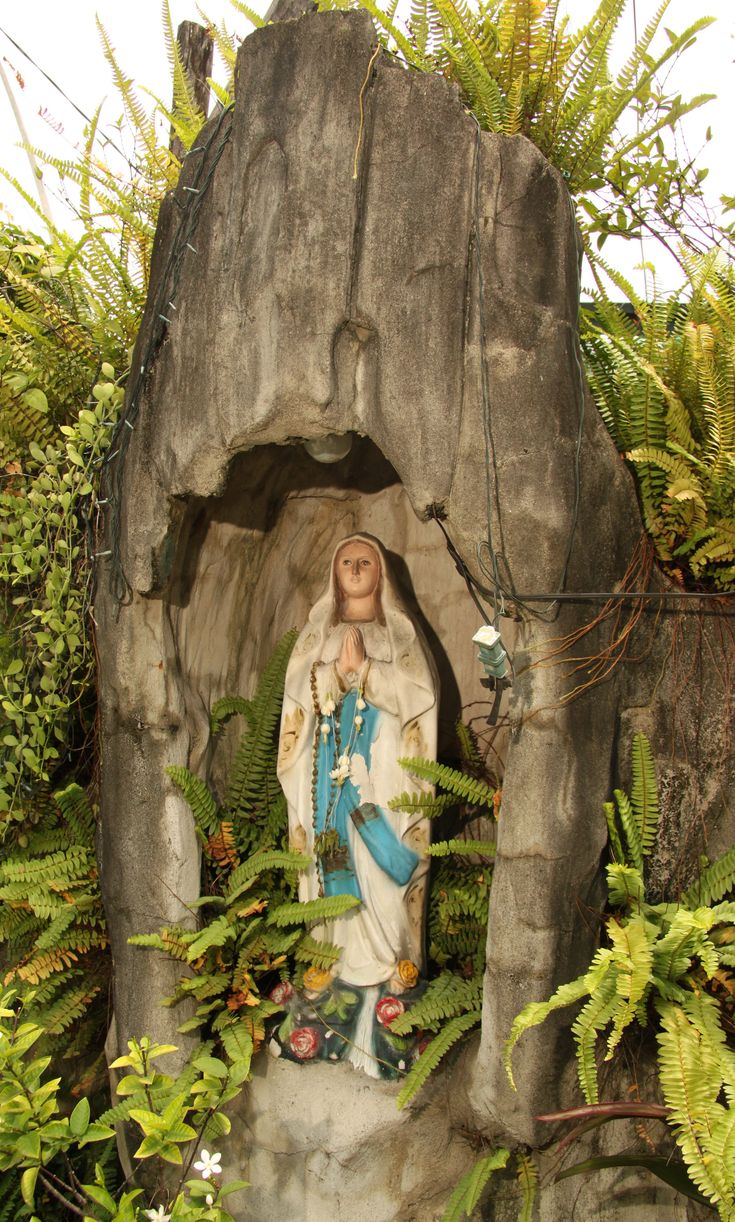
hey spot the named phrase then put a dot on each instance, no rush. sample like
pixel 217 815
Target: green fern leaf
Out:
pixel 528 1179
pixel 644 795
pixel 256 751
pixel 446 997
pixel 612 831
pixel 78 814
pixel 202 803
pixel 593 1018
pixel 468 748
pixel 228 706
pixel 272 859
pixel 479 848
pixel 422 803
pixel 633 960
pixel 319 954
pixel 311 911
pixel 631 830
pixel 238 1044
pixel 432 1055
pixel 689 1071
pixel 624 886
pixel 469 788
pixel 466 1195
pixel 537 1011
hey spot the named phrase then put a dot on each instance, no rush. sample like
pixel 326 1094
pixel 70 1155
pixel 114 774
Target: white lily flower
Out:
pixel 329 706
pixel 325 728
pixel 157 1215
pixel 358 722
pixel 208 1164
pixel 209 1199
pixel 360 703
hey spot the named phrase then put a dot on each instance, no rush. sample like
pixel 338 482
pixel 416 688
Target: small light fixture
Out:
pixel 330 448
pixel 492 655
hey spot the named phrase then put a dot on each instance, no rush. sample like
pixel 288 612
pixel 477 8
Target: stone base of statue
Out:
pixel 329 1142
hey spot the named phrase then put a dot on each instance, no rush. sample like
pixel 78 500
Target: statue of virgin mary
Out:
pixel 361 692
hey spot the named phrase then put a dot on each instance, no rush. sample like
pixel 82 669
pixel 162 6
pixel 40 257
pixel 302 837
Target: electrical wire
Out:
pixel 113 462
pixel 501 590
pixel 64 95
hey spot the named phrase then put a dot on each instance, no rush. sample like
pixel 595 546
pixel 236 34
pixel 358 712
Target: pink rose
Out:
pixel 305 1042
pixel 281 993
pixel 387 1009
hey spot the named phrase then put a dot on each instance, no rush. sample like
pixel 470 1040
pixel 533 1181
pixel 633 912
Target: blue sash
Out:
pixel 343 802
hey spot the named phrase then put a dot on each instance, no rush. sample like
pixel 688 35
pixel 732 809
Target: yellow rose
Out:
pixel 408 973
pixel 316 980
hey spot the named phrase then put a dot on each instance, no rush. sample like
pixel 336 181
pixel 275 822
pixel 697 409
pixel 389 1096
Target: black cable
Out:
pixel 601 596
pixel 58 89
pixel 491 474
pixel 159 320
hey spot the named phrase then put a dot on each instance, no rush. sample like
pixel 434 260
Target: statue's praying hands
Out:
pixel 352 654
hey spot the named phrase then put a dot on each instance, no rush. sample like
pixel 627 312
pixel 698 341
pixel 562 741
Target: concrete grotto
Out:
pixel 352 275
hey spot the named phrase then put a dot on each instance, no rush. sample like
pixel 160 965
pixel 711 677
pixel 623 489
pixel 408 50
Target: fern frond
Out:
pixel 468 749
pixel 444 998
pixel 69 1008
pixel 528 1180
pixel 56 927
pixel 58 870
pixel 444 848
pixel 220 846
pixel 714 882
pixel 631 829
pixel 591 1020
pixel 173 942
pixel 432 1055
pixel 228 706
pixel 254 17
pixel 238 1044
pixel 466 1195
pixel 258 863
pixel 691 1081
pixel 644 794
pixel 624 886
pixel 256 750
pixel 537 1011
pixel 217 933
pixel 195 791
pixel 312 911
pixel 78 814
pixel 616 847
pixel 469 788
pixel 685 939
pixel 422 803
pixel 319 954
pixel 633 959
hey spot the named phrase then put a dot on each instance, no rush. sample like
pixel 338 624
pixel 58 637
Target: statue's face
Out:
pixel 357 570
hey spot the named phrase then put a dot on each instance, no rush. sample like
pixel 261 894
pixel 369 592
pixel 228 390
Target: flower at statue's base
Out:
pixel 305 1042
pixel 387 1009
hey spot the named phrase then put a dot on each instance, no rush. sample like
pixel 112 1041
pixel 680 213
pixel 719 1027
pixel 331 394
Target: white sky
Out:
pixel 63 40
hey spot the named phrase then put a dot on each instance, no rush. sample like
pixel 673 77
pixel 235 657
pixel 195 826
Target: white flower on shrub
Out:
pixel 208 1164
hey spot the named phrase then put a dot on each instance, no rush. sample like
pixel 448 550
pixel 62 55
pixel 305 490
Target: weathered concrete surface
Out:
pixel 328 1142
pixel 317 301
